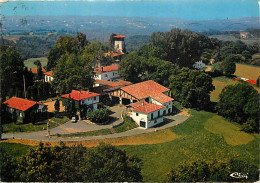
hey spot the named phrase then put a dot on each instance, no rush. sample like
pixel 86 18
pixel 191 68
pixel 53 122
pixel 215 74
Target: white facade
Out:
pixel 168 106
pixel 119 45
pixel 199 65
pixel 48 78
pixel 91 101
pixel 107 76
pixel 147 120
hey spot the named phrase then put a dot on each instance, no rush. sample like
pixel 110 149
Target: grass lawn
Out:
pixel 195 142
pixel 15 150
pixel 127 125
pixel 29 127
pixel 220 83
pixel 90 133
pixel 29 62
pixel 198 138
pixel 247 71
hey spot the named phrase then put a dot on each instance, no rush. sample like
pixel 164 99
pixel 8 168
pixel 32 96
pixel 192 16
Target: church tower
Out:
pixel 119 43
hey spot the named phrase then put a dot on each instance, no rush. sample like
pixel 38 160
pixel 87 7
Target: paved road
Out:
pixel 83 126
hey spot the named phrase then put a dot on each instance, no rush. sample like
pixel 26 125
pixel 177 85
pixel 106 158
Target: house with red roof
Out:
pixel 35 72
pixel 119 42
pixel 147 114
pixel 107 73
pixel 81 98
pixel 26 110
pixel 48 76
pixel 149 91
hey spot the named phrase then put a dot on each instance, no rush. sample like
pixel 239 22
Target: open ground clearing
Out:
pixel 247 71
pixel 166 149
pixel 30 62
pixel 220 83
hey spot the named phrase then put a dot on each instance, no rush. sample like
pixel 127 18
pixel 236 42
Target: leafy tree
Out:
pixel 200 171
pixel 239 103
pixel 64 45
pixel 71 108
pixel 11 72
pixel 99 115
pixel 73 72
pixel 191 87
pixel 69 164
pixel 39 71
pixel 7 167
pixel 179 47
pixel 130 68
pixel 227 67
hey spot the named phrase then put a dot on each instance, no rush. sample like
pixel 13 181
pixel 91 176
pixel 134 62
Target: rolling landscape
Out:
pixel 130 91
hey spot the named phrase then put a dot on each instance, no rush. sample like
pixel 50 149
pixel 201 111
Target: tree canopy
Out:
pixel 200 171
pixel 191 87
pixel 11 72
pixel 69 164
pixel 240 103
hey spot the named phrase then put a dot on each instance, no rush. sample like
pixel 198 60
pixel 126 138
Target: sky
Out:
pixel 184 9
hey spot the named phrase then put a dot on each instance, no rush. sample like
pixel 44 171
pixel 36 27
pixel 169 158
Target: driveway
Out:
pixel 84 126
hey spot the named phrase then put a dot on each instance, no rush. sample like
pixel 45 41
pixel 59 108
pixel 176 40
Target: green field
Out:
pixel 30 62
pixel 29 127
pixel 199 138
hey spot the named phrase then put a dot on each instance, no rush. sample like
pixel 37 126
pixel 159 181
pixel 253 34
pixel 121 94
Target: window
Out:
pixel 106 75
pixel 113 73
pixel 152 116
pixel 95 98
pixel 158 113
pixel 137 114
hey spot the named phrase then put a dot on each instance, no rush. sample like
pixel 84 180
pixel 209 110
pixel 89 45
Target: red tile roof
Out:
pixel 147 89
pixel 34 70
pixel 119 36
pixel 114 54
pixel 112 83
pixel 20 103
pixel 106 69
pixel 80 95
pixel 145 107
pixel 162 98
pixel 49 73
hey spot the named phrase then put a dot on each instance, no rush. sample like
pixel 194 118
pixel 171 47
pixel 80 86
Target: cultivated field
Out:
pixel 247 71
pixel 29 62
pixel 198 138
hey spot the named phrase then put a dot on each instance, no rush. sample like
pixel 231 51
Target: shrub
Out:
pixel 99 115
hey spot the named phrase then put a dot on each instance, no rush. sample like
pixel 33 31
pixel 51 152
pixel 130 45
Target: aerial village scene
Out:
pixel 130 91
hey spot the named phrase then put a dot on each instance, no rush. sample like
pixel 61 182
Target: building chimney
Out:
pixel 102 69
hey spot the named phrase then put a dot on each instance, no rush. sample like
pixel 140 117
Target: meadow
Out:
pixel 30 62
pixel 247 71
pixel 198 138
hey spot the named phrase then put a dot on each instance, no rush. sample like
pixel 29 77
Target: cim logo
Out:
pixel 239 175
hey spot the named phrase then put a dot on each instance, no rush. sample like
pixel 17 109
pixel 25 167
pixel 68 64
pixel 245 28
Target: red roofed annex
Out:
pixel 24 107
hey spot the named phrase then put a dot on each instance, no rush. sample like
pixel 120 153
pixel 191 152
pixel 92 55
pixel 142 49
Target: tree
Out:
pixel 200 171
pixel 64 45
pixel 7 167
pixel 73 72
pixel 227 67
pixel 130 68
pixel 69 164
pixel 99 115
pixel 11 72
pixel 191 87
pixel 239 103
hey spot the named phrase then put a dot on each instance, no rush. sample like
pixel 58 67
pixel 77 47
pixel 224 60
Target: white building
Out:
pixel 107 73
pixel 199 65
pixel 119 43
pixel 48 76
pixel 146 114
pixel 82 97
